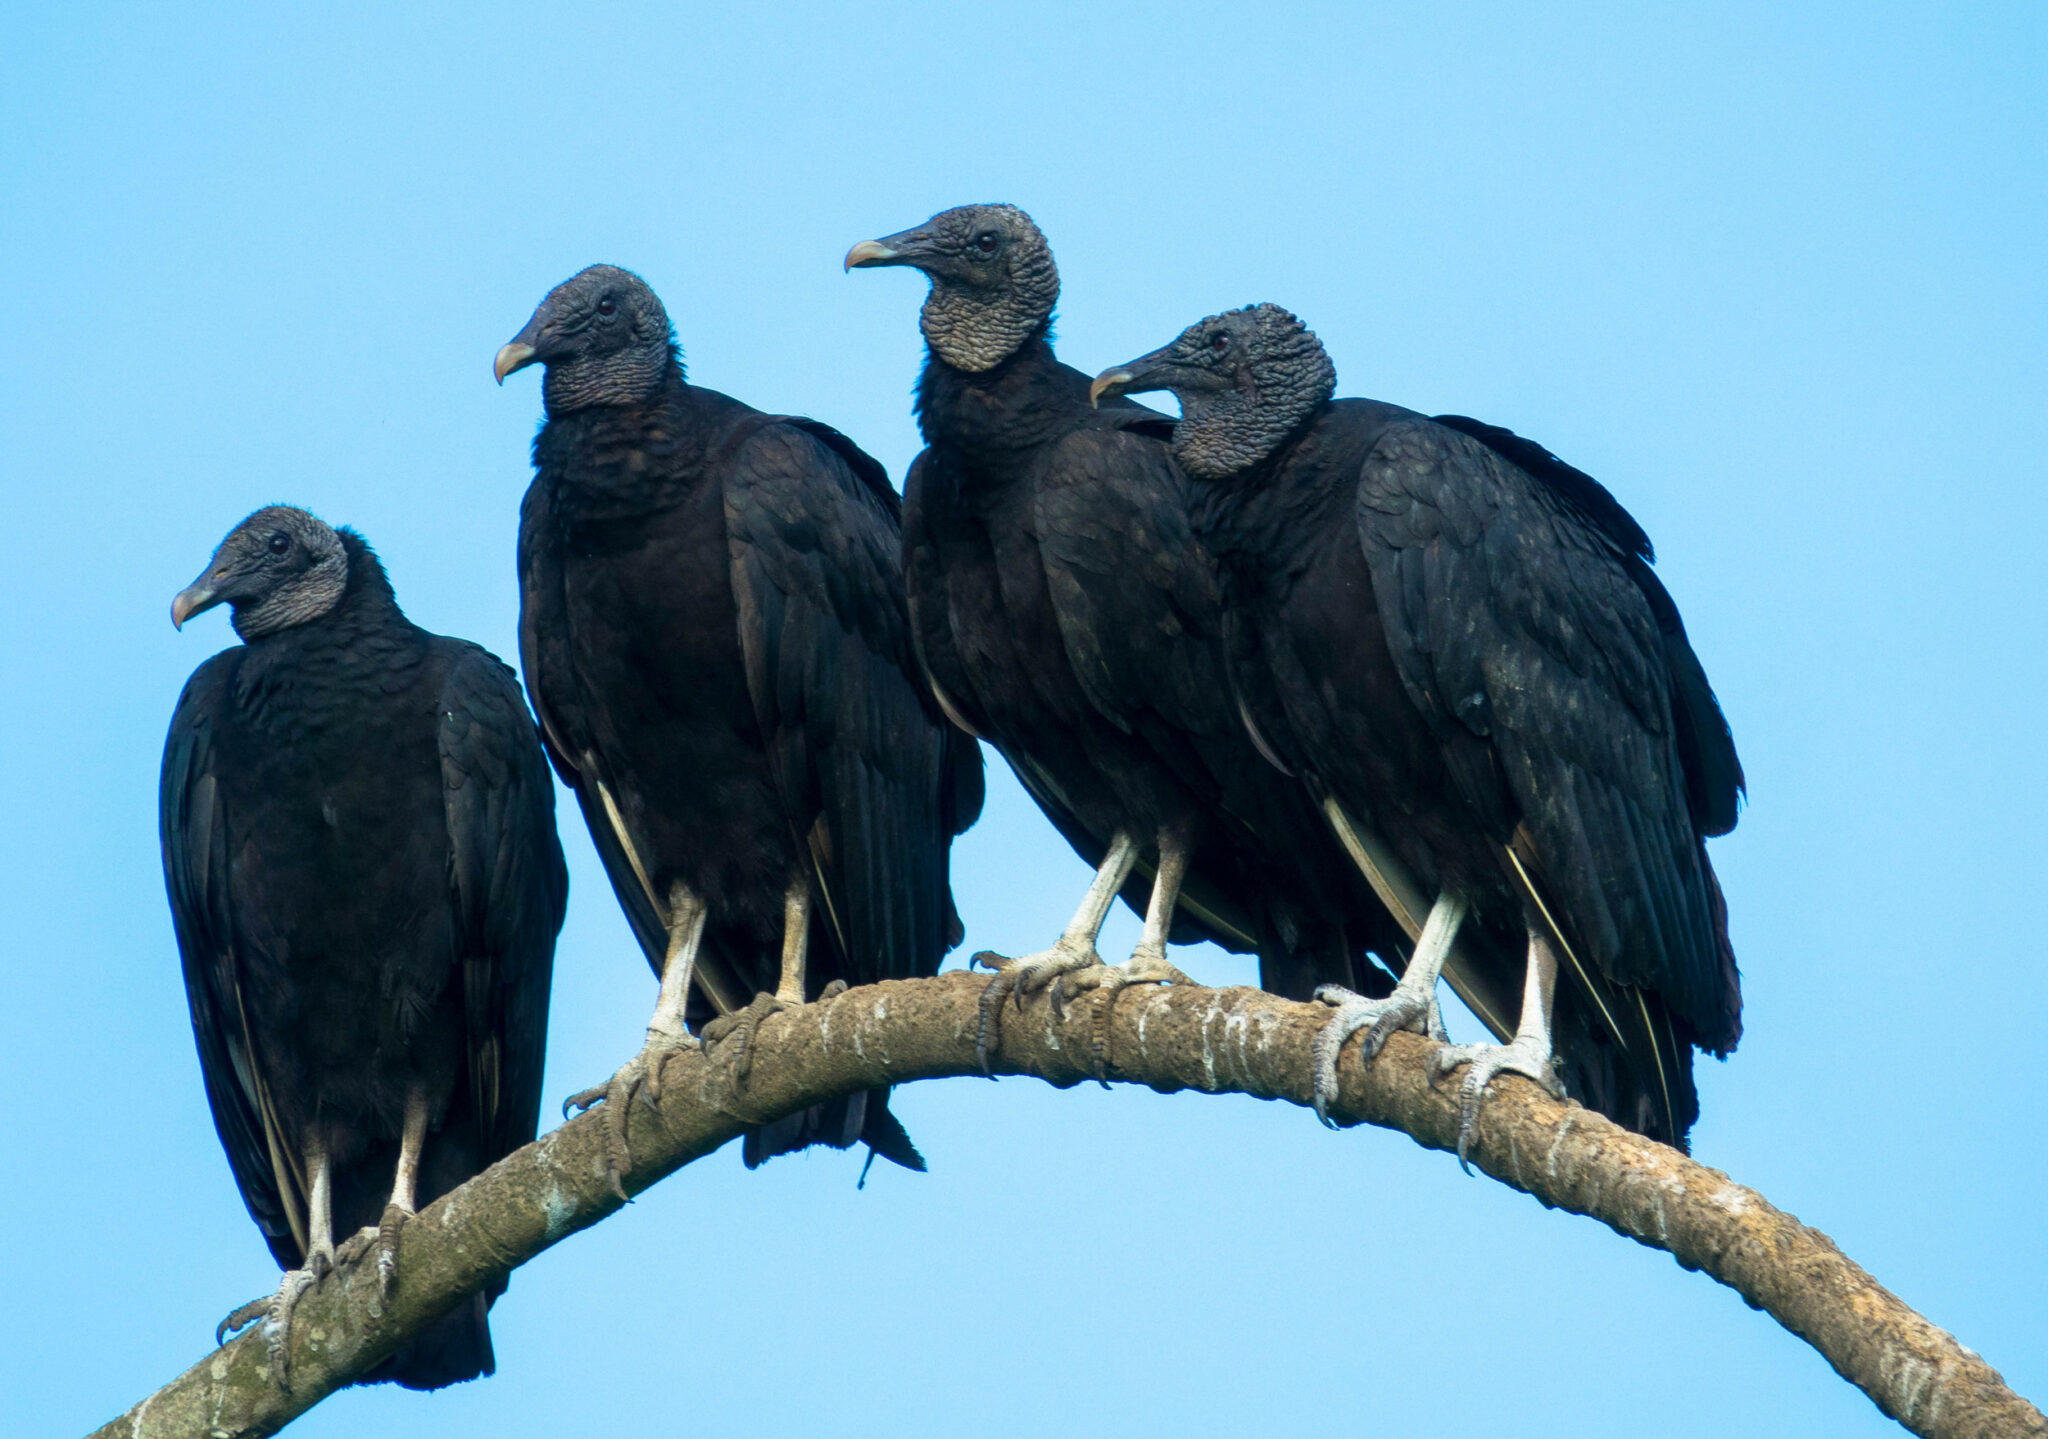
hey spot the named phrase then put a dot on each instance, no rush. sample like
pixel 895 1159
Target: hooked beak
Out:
pixel 1110 382
pixel 906 247
pixel 515 356
pixel 195 598
pixel 1147 372
pixel 868 253
pixel 521 352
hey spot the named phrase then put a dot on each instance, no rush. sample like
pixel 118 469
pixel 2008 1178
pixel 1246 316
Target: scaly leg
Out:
pixel 1412 1005
pixel 1527 1054
pixel 1075 949
pixel 405 1191
pixel 1148 963
pixel 739 1029
pixel 276 1309
pixel 667 1033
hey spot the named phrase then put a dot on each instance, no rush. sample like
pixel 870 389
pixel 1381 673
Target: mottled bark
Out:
pixel 1229 1040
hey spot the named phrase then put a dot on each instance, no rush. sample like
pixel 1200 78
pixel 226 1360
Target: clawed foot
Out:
pixel 640 1075
pixel 1408 1007
pixel 386 1234
pixel 733 1034
pixel 1068 970
pixel 1525 1056
pixel 1022 976
pixel 1145 967
pixel 275 1310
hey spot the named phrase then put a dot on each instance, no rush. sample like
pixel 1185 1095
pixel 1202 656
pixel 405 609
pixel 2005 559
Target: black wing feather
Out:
pixel 511 890
pixel 194 834
pixel 861 757
pixel 1516 622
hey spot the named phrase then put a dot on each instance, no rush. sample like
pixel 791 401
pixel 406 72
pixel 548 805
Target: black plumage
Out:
pixel 713 626
pixel 359 846
pixel 1465 648
pixel 1065 613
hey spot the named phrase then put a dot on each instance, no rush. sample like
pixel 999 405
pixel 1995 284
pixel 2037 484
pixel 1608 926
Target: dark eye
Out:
pixel 1220 341
pixel 280 542
pixel 987 241
pixel 607 306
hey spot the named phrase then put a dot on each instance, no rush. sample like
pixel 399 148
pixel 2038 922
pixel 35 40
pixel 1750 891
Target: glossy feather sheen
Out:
pixel 359 846
pixel 1063 607
pixel 713 619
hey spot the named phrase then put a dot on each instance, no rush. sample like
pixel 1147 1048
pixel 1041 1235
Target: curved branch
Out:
pixel 1183 1037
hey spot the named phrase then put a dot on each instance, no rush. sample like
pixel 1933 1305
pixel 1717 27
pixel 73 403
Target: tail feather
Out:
pixel 862 1118
pixel 454 1348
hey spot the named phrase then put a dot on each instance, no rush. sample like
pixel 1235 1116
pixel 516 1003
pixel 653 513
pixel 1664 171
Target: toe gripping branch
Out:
pixel 1064 980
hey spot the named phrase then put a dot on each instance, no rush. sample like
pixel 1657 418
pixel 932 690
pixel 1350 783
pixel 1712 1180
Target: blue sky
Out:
pixel 1776 278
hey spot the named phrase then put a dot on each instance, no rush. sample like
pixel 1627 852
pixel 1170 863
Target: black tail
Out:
pixel 862 1118
pixel 455 1347
pixel 1644 1084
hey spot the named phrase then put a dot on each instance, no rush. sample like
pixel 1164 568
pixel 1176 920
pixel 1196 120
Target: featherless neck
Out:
pixel 976 328
pixel 1243 433
pixel 625 377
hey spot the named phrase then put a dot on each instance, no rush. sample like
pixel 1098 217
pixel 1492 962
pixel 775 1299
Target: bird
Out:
pixel 1065 613
pixel 364 877
pixel 713 629
pixel 1482 680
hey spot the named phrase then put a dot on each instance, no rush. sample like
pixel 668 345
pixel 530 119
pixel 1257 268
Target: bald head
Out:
pixel 603 336
pixel 1245 379
pixel 993 281
pixel 280 567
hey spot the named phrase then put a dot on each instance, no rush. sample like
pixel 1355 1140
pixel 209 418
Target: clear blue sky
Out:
pixel 1777 279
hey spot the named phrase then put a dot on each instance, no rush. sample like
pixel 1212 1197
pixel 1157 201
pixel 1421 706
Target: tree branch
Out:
pixel 1183 1037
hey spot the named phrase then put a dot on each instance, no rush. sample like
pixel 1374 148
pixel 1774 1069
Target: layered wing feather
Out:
pixel 1515 622
pixel 511 888
pixel 193 830
pixel 870 773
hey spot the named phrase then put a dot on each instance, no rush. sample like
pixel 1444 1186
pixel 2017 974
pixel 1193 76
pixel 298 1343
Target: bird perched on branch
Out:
pixel 1463 649
pixel 359 845
pixel 1064 613
pixel 712 625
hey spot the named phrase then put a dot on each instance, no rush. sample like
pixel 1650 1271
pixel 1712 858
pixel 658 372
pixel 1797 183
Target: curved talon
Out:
pixel 739 1030
pixel 277 1325
pixel 1400 1010
pixel 387 1248
pixel 1019 977
pixel 986 1022
pixel 1521 1056
pixel 242 1318
pixel 640 1074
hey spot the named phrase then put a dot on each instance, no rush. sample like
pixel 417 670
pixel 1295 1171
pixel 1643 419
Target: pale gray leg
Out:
pixel 275 1310
pixel 1148 963
pixel 667 1033
pixel 405 1193
pixel 1075 949
pixel 1412 1005
pixel 1527 1054
pixel 735 1032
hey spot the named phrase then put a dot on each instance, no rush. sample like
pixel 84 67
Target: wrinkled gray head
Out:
pixel 993 281
pixel 278 568
pixel 1245 379
pixel 603 336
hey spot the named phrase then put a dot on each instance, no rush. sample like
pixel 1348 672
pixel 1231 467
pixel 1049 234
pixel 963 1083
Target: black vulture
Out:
pixel 1471 657
pixel 713 629
pixel 359 844
pixel 1064 612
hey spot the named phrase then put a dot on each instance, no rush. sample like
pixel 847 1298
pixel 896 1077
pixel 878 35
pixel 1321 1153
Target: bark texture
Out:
pixel 1184 1037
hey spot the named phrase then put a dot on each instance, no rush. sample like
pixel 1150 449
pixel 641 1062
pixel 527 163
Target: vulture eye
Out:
pixel 607 306
pixel 1220 341
pixel 280 542
pixel 987 241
